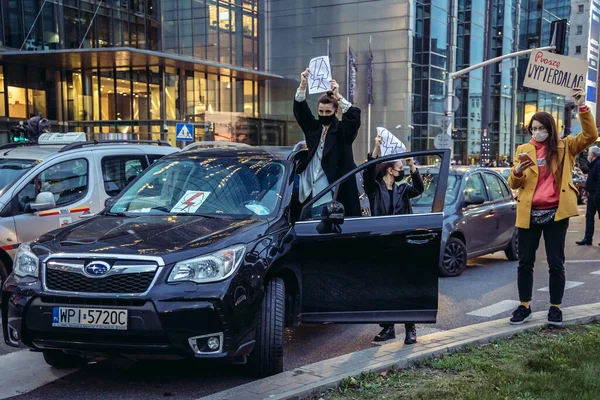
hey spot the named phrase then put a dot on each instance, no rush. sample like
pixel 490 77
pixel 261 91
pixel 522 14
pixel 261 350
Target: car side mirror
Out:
pixel 474 201
pixel 331 217
pixel 109 202
pixel 43 201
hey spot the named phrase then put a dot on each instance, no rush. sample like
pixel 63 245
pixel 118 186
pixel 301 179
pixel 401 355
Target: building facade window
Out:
pixel 579 30
pixel 580 9
pixel 577 49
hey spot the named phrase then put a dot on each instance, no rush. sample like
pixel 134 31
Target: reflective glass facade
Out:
pixel 132 100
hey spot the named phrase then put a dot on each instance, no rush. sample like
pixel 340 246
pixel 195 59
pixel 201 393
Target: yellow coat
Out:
pixel 568 149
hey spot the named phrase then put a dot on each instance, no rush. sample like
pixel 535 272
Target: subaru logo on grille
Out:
pixel 97 268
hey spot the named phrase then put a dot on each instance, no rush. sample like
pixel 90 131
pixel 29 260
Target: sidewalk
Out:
pixel 312 379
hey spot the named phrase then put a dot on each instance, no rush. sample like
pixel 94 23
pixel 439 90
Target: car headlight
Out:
pixel 26 263
pixel 210 267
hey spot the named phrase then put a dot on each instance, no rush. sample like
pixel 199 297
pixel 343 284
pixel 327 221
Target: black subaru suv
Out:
pixel 208 254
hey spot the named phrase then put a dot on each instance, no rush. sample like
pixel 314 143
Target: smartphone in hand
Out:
pixel 524 157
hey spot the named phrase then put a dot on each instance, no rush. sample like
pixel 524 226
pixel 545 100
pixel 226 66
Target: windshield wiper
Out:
pixel 115 214
pixel 75 243
pixel 183 214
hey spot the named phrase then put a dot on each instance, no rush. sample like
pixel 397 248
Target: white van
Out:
pixel 61 178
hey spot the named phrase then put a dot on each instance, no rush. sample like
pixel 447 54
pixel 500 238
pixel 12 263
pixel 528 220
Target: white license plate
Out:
pixel 94 318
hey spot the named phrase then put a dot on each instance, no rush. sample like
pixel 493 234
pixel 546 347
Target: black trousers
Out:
pixel 591 210
pixel 407 327
pixel 529 241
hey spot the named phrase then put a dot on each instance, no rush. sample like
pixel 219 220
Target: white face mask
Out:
pixel 540 136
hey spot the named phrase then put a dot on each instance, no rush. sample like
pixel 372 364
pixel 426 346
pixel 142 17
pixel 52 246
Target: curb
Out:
pixel 316 378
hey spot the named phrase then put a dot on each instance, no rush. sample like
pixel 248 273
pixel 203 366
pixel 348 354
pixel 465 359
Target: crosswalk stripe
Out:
pixel 24 371
pixel 595 273
pixel 494 309
pixel 568 285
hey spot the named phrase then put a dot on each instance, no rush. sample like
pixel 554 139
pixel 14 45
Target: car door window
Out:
pixel 494 186
pixel 119 171
pixel 505 191
pixel 475 187
pixel 373 191
pixel 67 181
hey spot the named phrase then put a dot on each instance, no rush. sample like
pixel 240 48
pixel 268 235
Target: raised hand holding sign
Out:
pixel 319 76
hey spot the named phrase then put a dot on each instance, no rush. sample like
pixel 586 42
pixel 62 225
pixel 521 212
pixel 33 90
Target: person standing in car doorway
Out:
pixel 547 199
pixel 592 187
pixel 387 196
pixel 329 142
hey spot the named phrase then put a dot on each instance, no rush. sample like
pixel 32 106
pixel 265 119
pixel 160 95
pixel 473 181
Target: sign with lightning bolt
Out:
pixel 190 202
pixel 319 75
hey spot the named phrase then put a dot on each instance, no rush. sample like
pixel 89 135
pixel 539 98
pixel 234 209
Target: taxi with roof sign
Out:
pixel 60 179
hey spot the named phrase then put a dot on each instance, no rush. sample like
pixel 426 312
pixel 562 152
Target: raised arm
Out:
pixel 302 112
pixel 589 132
pixel 350 114
pixel 417 187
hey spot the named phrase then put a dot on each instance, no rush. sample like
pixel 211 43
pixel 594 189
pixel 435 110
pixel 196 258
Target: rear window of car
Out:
pixel 430 181
pixel 119 171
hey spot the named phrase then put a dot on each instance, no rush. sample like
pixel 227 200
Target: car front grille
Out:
pixel 73 282
pixel 125 277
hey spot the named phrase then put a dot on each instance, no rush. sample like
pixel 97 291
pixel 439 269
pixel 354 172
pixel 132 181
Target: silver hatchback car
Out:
pixel 479 215
pixel 60 179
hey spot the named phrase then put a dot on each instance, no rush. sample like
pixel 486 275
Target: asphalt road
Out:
pixel 487 290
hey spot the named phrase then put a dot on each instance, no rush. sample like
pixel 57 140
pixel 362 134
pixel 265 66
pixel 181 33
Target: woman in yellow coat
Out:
pixel 547 198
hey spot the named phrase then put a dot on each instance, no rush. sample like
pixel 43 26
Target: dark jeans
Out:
pixel 554 240
pixel 591 210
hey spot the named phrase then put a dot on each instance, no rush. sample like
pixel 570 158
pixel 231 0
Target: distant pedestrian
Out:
pixel 592 187
pixel 547 199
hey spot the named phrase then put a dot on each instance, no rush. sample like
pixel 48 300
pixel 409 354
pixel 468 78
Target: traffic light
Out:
pixel 558 36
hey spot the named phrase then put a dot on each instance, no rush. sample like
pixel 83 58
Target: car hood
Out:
pixel 170 237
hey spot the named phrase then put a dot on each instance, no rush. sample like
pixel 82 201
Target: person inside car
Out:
pixel 329 142
pixel 387 196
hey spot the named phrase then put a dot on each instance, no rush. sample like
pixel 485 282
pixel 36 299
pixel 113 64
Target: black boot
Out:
pixel 388 332
pixel 584 242
pixel 411 334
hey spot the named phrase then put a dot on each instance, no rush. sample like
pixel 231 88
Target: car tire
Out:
pixel 454 259
pixel 61 360
pixel 267 357
pixel 512 251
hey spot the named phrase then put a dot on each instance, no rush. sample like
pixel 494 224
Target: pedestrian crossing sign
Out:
pixel 185 132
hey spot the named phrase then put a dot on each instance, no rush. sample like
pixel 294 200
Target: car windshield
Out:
pixel 11 170
pixel 430 181
pixel 228 186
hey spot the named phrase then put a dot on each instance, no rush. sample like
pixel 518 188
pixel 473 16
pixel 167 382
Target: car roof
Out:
pixel 274 152
pixel 45 152
pixel 455 169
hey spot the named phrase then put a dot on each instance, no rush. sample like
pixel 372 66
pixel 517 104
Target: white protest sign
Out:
pixel 390 144
pixel 190 202
pixel 555 73
pixel 319 75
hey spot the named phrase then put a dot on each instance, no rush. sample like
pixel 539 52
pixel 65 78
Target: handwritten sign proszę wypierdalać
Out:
pixel 555 73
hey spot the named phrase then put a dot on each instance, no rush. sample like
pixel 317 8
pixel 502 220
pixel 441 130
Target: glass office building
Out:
pixel 129 68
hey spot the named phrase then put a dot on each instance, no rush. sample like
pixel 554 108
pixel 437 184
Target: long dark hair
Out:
pixel 547 120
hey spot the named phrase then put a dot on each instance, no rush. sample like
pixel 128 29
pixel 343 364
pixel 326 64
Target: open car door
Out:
pixel 372 269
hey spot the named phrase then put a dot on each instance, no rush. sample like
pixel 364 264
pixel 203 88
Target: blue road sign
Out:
pixel 185 132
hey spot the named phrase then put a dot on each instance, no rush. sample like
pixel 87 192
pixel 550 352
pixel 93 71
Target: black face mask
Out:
pixel 326 119
pixel 399 177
